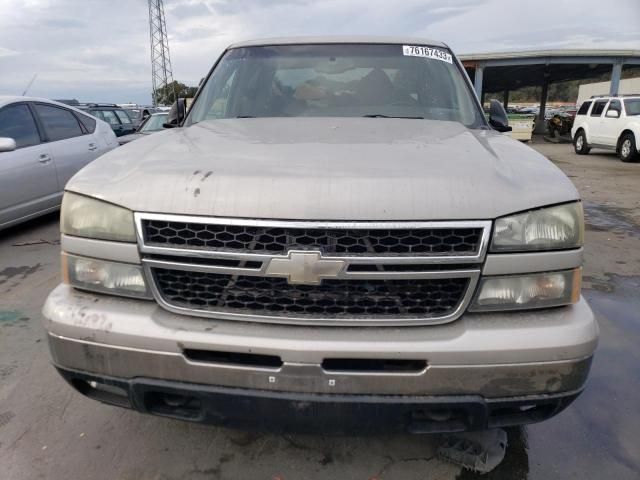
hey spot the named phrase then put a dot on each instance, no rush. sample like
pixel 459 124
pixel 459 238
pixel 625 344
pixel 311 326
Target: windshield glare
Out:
pixel 632 106
pixel 335 81
pixel 154 123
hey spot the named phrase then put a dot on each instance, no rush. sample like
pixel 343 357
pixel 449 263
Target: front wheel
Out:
pixel 628 151
pixel 580 144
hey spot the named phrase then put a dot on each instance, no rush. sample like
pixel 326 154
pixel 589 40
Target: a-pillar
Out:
pixel 477 82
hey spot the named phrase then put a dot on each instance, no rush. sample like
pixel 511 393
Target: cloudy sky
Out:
pixel 98 50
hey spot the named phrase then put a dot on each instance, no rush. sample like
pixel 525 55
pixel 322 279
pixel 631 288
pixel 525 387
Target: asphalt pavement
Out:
pixel 47 431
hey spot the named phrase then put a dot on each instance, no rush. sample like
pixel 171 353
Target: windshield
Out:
pixel 122 115
pixel 632 106
pixel 359 80
pixel 154 123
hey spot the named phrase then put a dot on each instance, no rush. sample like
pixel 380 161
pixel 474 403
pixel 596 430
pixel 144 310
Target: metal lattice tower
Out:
pixel 161 73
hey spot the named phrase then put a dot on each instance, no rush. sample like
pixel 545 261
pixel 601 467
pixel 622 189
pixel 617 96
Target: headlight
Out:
pixel 550 228
pixel 106 277
pixel 535 290
pixel 87 217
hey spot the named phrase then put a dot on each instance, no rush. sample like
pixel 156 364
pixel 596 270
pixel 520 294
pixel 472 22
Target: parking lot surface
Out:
pixel 49 431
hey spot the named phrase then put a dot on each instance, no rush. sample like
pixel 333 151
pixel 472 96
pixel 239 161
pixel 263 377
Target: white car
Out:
pixel 42 145
pixel 609 122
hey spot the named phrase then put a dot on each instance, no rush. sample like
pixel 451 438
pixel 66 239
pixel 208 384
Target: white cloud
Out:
pixel 7 52
pixel 98 49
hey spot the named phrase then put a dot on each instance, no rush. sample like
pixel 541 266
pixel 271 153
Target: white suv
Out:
pixel 611 123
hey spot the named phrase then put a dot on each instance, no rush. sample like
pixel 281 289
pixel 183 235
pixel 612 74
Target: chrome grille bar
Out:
pixel 475 257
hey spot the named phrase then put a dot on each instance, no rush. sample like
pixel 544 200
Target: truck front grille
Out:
pixel 355 299
pixel 312 272
pixel 340 241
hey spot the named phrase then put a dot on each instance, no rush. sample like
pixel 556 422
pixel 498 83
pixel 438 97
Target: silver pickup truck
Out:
pixel 332 238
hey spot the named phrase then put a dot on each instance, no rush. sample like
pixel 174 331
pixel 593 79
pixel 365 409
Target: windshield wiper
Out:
pixel 379 115
pixel 245 116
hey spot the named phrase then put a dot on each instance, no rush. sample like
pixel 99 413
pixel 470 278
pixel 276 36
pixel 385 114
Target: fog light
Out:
pixel 538 290
pixel 103 276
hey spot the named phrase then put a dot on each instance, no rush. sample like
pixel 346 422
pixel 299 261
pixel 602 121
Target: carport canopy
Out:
pixel 502 72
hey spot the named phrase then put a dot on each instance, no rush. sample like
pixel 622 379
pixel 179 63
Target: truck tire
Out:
pixel 580 144
pixel 628 152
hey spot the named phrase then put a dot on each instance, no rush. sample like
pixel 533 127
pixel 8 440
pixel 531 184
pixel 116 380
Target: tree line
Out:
pixel 167 95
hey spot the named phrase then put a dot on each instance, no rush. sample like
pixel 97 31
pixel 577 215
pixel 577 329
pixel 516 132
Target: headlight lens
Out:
pixel 105 277
pixel 538 290
pixel 87 217
pixel 551 228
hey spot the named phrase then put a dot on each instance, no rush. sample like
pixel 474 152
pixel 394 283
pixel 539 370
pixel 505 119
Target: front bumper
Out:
pixel 541 356
pixel 259 410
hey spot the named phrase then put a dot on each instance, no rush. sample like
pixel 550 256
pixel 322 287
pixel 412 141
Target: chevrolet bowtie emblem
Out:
pixel 304 267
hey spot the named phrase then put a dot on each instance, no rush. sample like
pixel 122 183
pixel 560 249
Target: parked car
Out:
pixel 116 117
pixel 529 110
pixel 332 238
pixel 609 122
pixel 152 124
pixel 42 145
pixel 560 124
pixel 138 113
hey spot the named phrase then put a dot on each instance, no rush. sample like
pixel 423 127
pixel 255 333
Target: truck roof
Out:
pixel 310 40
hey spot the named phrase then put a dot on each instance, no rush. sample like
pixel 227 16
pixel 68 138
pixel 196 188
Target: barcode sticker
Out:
pixel 426 52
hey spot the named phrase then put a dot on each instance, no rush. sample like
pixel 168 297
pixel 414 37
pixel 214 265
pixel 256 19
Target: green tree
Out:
pixel 168 94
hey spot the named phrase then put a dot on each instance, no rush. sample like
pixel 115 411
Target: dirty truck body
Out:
pixel 333 239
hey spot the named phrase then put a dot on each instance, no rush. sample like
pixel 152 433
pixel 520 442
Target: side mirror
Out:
pixel 498 117
pixel 176 114
pixel 7 144
pixel 612 114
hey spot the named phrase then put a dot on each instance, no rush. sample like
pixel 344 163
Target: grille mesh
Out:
pixel 333 298
pixel 419 241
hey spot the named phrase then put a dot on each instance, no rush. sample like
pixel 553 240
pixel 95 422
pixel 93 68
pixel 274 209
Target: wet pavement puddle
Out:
pixel 598 437
pixel 610 218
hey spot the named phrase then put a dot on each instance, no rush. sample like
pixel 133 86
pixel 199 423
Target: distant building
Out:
pixel 628 85
pixel 502 72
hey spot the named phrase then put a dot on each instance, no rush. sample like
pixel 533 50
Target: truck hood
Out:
pixel 326 169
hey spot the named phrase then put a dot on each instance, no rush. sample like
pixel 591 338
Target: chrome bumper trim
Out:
pixel 490 381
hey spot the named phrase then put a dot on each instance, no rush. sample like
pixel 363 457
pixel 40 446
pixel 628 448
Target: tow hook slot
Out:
pixel 374 365
pixel 175 405
pixel 103 392
pixel 235 359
